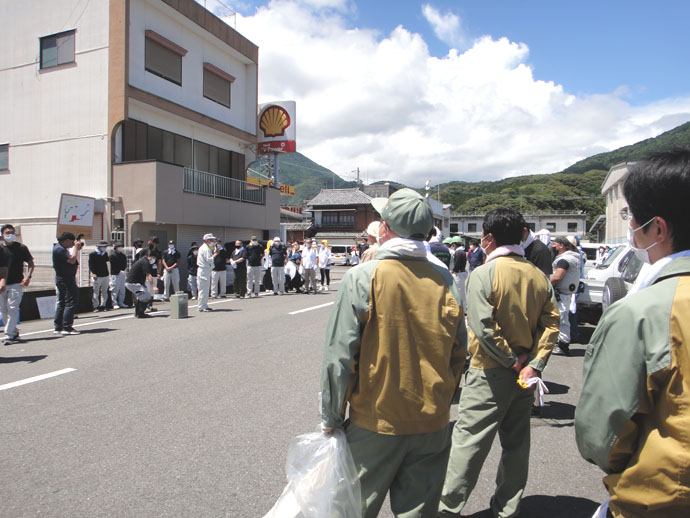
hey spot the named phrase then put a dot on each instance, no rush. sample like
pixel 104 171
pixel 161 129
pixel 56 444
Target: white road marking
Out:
pixel 35 378
pixel 311 308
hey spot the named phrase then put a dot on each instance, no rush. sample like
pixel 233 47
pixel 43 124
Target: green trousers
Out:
pixel 491 401
pixel 411 467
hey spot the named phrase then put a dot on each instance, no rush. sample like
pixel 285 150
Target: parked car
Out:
pixel 340 254
pixel 615 288
pixel 612 265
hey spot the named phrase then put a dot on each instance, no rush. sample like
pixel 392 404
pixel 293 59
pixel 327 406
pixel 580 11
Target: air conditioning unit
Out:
pixel 117 237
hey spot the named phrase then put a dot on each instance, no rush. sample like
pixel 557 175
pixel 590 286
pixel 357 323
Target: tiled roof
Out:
pixel 339 197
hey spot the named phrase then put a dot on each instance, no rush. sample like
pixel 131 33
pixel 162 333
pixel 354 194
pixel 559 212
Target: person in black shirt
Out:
pixel 156 270
pixel 239 263
pixel 253 253
pixel 458 270
pixel 138 275
pixel 118 265
pixel 536 252
pixel 278 254
pixel 171 272
pixel 65 266
pixel 15 255
pixel 438 249
pixel 98 267
pixel 476 255
pixel 192 270
pixel 219 274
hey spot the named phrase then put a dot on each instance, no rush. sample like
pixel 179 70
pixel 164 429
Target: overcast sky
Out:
pixel 469 89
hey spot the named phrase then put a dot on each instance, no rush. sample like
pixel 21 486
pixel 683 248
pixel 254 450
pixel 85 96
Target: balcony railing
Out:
pixel 208 184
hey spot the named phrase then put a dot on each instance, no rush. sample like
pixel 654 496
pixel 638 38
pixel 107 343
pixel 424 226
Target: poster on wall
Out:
pixel 76 215
pixel 277 133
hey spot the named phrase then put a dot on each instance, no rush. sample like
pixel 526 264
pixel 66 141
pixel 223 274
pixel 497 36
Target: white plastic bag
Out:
pixel 322 479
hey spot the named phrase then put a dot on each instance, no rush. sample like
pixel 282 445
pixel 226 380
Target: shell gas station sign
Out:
pixel 287 190
pixel 277 132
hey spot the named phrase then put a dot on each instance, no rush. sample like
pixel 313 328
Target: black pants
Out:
pixel 67 300
pixel 239 285
pixel 326 272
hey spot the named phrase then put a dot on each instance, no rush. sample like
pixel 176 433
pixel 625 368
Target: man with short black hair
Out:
pixel 219 273
pixel 394 353
pixel 118 265
pixel 67 292
pixel 192 269
pixel 138 275
pixel 98 267
pixel 253 253
pixel 475 255
pixel 15 256
pixel 278 254
pixel 632 418
pixel 565 280
pixel 513 325
pixel 239 264
pixel 171 273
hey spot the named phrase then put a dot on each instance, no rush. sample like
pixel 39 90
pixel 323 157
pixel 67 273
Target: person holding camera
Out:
pixel 65 266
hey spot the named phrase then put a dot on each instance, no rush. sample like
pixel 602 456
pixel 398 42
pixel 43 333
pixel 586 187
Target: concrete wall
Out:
pixel 54 119
pixel 201 47
pixel 155 188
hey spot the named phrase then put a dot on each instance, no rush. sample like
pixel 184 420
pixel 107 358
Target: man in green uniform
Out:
pixel 632 419
pixel 394 352
pixel 513 322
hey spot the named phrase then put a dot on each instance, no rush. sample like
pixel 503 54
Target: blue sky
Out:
pixel 470 89
pixel 587 46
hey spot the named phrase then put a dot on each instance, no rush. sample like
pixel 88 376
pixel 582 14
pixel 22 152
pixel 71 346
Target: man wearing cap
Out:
pixel 16 255
pixel 118 265
pixel 204 261
pixel 171 272
pixel 65 266
pixel 565 279
pixel 310 261
pixel 513 325
pixel 98 267
pixel 394 352
pixel 372 235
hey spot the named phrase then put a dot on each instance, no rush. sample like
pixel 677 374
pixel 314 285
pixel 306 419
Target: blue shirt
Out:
pixel 60 265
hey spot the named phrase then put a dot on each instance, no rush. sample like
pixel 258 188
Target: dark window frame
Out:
pixel 211 71
pixel 7 154
pixel 42 47
pixel 164 46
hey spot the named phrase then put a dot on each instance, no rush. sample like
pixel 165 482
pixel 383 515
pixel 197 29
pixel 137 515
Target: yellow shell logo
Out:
pixel 274 121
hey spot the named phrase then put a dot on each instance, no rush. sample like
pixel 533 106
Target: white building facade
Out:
pixel 148 106
pixel 612 188
pixel 558 223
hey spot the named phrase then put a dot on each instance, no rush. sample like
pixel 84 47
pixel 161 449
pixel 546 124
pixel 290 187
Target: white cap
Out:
pixel 209 237
pixel 276 239
pixel 373 228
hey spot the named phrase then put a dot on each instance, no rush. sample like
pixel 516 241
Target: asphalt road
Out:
pixel 193 417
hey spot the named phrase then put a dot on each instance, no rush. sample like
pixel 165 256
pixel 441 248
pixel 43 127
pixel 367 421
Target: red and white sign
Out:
pixel 277 132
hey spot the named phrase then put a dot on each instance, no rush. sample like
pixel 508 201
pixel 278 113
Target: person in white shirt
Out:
pixel 325 265
pixel 204 261
pixel 310 261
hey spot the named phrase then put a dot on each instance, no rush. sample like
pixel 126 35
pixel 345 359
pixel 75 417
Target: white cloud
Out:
pixel 383 104
pixel 446 27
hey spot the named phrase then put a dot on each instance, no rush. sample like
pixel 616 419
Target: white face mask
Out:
pixel 641 253
pixel 194 252
pixel 483 249
pixel 152 261
pixel 10 238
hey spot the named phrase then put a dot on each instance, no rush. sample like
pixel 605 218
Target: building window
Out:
pixel 164 58
pixel 453 228
pixel 338 219
pixel 551 227
pixel 4 157
pixel 471 227
pixel 572 226
pixel 217 84
pixel 532 226
pixel 57 49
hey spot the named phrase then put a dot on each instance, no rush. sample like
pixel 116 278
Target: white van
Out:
pixel 340 254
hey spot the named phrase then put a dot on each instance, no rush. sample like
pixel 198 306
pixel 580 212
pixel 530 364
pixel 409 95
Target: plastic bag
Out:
pixel 322 479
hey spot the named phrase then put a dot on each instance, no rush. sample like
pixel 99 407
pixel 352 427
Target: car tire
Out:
pixel 614 290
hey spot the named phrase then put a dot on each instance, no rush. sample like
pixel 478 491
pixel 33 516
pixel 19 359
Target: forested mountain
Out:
pixel 576 188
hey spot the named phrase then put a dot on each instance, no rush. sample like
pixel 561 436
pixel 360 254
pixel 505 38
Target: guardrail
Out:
pixel 216 186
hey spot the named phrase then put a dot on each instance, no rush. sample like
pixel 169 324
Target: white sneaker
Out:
pixel 116 307
pixel 325 288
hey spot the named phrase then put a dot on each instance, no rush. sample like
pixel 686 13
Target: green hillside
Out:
pixel 678 136
pixel 305 175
